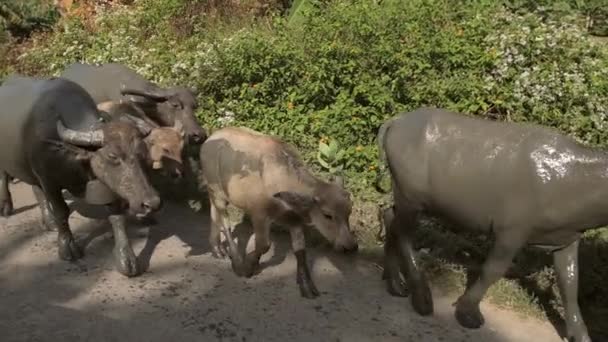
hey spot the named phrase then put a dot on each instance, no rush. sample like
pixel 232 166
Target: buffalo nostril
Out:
pixel 197 138
pixel 146 207
pixel 152 204
pixel 176 175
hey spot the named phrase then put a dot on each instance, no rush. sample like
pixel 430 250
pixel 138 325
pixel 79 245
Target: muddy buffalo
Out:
pixel 526 184
pixel 114 82
pixel 58 141
pixel 265 178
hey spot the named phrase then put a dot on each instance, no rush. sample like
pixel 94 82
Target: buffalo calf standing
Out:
pixel 264 177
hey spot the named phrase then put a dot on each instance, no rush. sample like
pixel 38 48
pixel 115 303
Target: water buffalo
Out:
pixel 265 178
pixel 114 82
pixel 525 183
pixel 59 141
pixel 165 144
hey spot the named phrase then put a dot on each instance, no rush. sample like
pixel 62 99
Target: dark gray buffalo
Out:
pixel 114 82
pixel 54 139
pixel 525 183
pixel 264 177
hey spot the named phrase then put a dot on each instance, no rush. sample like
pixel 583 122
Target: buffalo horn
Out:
pixel 84 139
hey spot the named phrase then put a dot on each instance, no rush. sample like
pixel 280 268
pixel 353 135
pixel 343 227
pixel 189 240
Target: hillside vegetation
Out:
pixel 324 75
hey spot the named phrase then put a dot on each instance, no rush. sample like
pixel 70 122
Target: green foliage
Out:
pixel 330 157
pixel 350 65
pixel 18 18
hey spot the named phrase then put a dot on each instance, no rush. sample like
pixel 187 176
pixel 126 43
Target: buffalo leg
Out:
pixel 391 265
pixel 403 227
pixel 261 227
pixel 217 225
pixel 6 200
pixel 505 248
pixel 298 243
pixel 45 212
pixel 391 273
pixel 124 257
pixel 58 220
pixel 566 266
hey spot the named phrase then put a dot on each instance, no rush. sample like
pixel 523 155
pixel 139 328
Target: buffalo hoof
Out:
pixel 47 226
pixel 422 298
pixel 219 252
pixel 126 261
pixel 69 250
pixel 6 208
pixel 396 287
pixel 309 290
pixel 468 315
pixel 244 269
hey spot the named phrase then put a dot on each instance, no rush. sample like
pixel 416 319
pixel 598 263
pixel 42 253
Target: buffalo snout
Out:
pixel 346 242
pixel 146 207
pixel 197 138
pixel 351 248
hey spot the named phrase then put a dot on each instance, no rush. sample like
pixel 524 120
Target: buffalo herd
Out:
pixel 100 131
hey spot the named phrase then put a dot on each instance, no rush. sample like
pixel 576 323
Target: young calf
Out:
pixel 264 177
pixel 165 144
pixel 526 184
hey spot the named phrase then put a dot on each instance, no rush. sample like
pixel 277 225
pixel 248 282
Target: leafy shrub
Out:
pixel 18 18
pixel 350 65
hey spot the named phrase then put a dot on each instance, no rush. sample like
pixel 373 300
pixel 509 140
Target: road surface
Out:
pixel 187 295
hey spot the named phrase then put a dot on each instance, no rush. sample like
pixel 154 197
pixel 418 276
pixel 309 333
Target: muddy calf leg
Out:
pixel 467 312
pixel 6 200
pixel 124 257
pixel 217 223
pixel 45 211
pixel 298 243
pixel 566 267
pixel 261 228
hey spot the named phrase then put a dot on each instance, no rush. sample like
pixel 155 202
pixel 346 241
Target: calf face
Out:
pixel 165 146
pixel 117 162
pixel 328 210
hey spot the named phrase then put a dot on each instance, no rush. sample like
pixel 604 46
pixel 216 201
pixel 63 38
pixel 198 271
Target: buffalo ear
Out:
pixel 296 202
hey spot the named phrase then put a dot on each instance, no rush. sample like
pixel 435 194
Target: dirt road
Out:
pixel 186 295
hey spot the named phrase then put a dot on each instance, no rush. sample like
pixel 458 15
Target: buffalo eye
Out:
pixel 166 150
pixel 113 157
pixel 328 216
pixel 176 105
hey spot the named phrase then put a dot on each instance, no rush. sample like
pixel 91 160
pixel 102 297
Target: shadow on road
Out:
pixel 186 295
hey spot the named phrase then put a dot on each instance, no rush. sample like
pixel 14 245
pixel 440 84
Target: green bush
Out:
pixel 18 18
pixel 350 65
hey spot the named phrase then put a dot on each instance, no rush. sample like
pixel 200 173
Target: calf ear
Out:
pixel 294 201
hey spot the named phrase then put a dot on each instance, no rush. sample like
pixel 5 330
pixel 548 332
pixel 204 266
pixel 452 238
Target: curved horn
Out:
pixel 143 126
pixel 85 139
pixel 156 95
